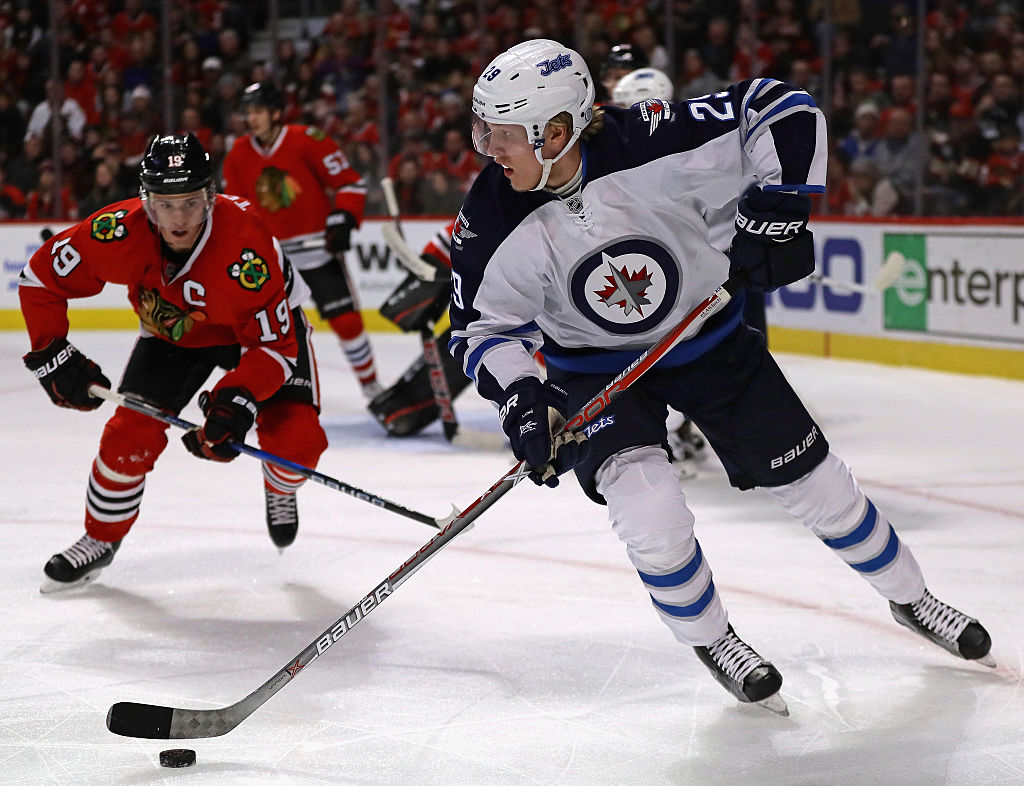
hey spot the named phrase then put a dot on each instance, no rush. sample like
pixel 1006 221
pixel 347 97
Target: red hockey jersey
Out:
pixel 289 181
pixel 232 289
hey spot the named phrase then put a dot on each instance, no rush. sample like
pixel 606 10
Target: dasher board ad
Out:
pixel 959 284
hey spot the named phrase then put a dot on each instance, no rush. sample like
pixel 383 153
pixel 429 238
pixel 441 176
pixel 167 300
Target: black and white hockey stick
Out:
pixel 311 474
pixel 158 722
pixel 477 440
pixel 884 278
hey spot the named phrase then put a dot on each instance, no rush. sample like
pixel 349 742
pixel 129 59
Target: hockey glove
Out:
pixel 416 303
pixel 230 413
pixel 338 232
pixel 66 374
pixel 524 418
pixel 772 246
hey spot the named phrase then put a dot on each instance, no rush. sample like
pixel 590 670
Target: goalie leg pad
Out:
pixel 649 514
pixel 408 406
pixel 416 303
pixel 830 503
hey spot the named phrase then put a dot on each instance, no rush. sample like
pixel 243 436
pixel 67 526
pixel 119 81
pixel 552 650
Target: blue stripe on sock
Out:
pixel 859 535
pixel 888 555
pixel 691 610
pixel 676 578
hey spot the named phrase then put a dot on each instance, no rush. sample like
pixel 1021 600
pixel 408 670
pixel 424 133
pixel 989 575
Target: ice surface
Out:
pixel 527 651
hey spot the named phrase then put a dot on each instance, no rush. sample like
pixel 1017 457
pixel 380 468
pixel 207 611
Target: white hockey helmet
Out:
pixel 528 85
pixel 640 85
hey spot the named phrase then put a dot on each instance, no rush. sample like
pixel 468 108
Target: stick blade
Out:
pixel 146 721
pixel 890 270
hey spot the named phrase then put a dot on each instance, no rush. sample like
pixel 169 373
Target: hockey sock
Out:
pixel 281 480
pixel 356 344
pixel 830 503
pixel 649 514
pixel 112 502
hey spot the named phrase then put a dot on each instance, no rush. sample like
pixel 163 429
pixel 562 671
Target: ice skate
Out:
pixel 744 673
pixel 282 517
pixel 952 630
pixel 78 564
pixel 688 449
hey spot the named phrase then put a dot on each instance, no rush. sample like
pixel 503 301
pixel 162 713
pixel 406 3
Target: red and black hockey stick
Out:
pixel 158 722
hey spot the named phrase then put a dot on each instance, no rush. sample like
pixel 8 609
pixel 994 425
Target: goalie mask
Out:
pixel 176 181
pixel 524 88
pixel 640 85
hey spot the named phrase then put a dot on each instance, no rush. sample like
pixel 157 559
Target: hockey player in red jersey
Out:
pixel 311 199
pixel 212 288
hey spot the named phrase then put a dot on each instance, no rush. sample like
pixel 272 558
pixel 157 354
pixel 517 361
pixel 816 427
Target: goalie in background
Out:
pixel 408 406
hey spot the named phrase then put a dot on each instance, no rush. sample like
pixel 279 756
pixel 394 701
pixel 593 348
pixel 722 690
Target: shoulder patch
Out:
pixel 107 227
pixel 252 272
pixel 316 133
pixel 654 110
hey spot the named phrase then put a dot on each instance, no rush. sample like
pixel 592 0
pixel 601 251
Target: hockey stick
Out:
pixel 311 474
pixel 884 278
pixel 406 256
pixel 151 721
pixel 477 440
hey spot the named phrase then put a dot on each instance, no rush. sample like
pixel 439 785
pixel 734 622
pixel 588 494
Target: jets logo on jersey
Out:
pixel 654 110
pixel 276 189
pixel 626 290
pixel 461 231
pixel 627 287
pixel 252 272
pixel 107 227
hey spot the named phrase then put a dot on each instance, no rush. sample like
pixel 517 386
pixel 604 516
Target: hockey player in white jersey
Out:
pixel 586 238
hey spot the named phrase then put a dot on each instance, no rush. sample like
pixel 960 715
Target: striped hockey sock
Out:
pixel 112 502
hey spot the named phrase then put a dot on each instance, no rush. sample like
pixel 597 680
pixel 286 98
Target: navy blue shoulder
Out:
pixel 653 129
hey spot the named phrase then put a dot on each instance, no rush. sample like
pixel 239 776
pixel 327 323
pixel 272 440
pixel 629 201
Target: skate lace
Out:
pixel 943 620
pixel 281 509
pixel 85 551
pixel 734 656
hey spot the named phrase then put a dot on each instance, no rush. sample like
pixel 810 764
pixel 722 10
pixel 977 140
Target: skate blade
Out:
pixel 775 703
pixel 685 469
pixel 988 660
pixel 50 586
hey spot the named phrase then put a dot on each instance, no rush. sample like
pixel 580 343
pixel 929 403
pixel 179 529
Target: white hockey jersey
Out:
pixel 598 278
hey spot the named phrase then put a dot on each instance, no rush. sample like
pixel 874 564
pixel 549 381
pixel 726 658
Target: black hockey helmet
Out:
pixel 625 57
pixel 175 164
pixel 263 94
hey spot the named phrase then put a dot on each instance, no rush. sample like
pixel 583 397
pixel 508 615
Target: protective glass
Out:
pixel 499 139
pixel 178 211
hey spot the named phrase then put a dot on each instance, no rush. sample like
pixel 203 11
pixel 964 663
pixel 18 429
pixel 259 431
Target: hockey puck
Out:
pixel 177 757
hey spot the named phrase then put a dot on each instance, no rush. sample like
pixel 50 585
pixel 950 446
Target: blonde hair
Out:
pixel 593 128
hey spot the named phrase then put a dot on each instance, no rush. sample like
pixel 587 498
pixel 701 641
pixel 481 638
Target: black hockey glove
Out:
pixel 230 413
pixel 65 374
pixel 416 303
pixel 524 418
pixel 338 232
pixel 772 246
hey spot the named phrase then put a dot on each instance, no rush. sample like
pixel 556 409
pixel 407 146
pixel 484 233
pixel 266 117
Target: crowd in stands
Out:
pixel 111 89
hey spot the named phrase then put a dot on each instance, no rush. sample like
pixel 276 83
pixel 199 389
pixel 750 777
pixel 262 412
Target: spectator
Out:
pixel 105 191
pixel 1001 176
pixel 43 201
pixel 410 189
pixel 998 106
pixel 72 117
pixel 901 155
pixel 698 80
pixel 863 140
pixel 12 199
pixel 80 86
pixel 871 192
pixel 458 162
pixel 23 169
pixel 443 195
pixel 12 127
